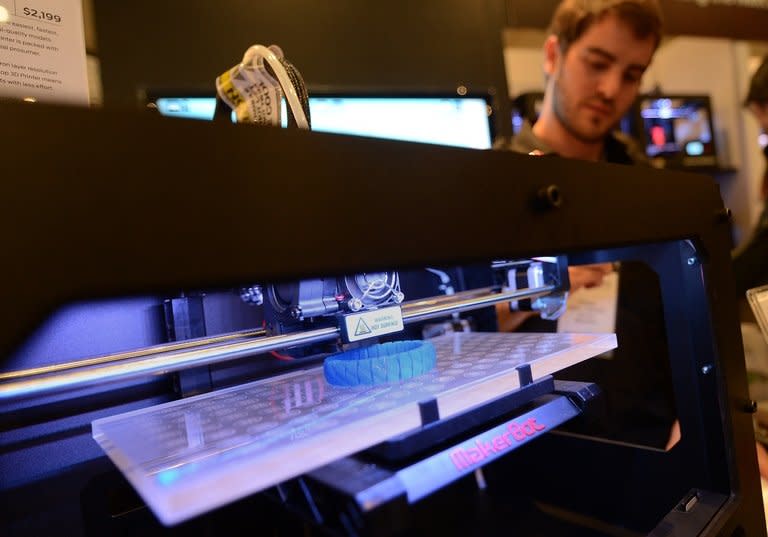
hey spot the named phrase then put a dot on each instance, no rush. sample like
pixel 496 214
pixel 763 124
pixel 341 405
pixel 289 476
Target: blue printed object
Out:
pixel 380 363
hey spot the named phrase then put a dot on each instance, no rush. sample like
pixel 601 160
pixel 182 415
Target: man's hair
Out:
pixel 573 17
pixel 758 85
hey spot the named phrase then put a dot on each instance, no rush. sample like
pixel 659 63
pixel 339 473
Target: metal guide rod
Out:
pixel 162 359
pixel 146 351
pixel 210 340
pixel 439 310
pixel 412 305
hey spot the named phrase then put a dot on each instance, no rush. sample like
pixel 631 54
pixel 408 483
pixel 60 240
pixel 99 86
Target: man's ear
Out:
pixel 760 111
pixel 551 55
pixel 763 117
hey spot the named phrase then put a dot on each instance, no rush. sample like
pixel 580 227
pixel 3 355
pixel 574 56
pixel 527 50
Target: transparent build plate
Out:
pixel 190 456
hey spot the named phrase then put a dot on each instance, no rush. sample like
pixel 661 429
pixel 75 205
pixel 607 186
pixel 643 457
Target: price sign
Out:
pixel 42 51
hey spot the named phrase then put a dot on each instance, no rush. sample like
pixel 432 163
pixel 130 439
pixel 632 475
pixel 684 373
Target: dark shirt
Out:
pixel 636 379
pixel 750 262
pixel 619 148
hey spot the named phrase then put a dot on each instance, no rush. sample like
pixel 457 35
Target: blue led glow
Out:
pixel 694 149
pixel 167 477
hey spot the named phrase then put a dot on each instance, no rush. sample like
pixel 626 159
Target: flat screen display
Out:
pixel 677 131
pixel 461 121
pixel 187 107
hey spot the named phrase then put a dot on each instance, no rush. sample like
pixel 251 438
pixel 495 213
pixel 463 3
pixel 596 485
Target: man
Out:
pixel 594 60
pixel 750 262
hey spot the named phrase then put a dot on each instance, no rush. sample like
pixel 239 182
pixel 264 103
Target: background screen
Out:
pixel 455 121
pixel 678 129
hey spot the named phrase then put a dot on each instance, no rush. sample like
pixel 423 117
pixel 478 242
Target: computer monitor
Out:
pixel 526 107
pixel 676 131
pixel 190 107
pixel 445 119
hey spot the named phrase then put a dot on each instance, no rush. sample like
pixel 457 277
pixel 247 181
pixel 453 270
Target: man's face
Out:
pixel 596 81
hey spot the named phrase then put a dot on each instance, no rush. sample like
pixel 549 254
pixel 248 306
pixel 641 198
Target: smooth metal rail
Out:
pixel 175 357
pixel 211 340
pixel 146 351
pixel 413 305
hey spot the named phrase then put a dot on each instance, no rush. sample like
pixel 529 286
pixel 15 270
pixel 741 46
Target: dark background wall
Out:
pixel 399 44
pixel 429 44
pixel 710 18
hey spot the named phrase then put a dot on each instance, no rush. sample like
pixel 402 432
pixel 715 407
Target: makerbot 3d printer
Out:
pixel 194 312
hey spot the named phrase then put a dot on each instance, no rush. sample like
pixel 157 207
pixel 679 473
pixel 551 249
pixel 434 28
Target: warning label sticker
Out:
pixel 372 323
pixel 362 328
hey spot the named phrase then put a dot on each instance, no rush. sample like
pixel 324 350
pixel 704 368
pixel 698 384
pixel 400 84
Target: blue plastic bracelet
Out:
pixel 380 363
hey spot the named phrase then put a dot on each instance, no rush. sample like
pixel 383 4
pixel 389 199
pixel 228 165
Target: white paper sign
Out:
pixel 42 51
pixel 592 310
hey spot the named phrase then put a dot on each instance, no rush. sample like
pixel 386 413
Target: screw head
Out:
pixel 724 215
pixel 549 197
pixel 355 304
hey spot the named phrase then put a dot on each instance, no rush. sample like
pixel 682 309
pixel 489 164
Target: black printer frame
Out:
pixel 112 210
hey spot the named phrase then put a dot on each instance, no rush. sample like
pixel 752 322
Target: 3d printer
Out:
pixel 214 431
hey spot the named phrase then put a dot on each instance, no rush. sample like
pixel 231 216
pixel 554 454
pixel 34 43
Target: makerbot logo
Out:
pixel 466 457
